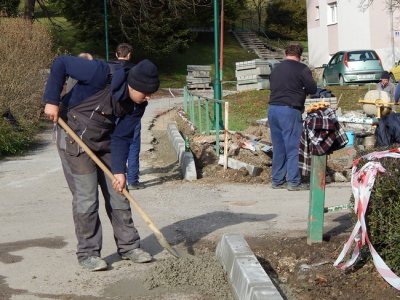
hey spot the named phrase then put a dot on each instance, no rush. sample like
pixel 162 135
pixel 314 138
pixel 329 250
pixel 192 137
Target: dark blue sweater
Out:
pixel 92 76
pixel 290 82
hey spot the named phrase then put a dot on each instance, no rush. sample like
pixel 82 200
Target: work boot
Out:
pixel 279 186
pixel 300 187
pixel 137 256
pixel 135 186
pixel 93 263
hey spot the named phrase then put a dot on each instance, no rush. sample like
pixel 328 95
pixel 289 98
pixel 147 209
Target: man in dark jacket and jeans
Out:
pixel 91 109
pixel 123 54
pixel 290 82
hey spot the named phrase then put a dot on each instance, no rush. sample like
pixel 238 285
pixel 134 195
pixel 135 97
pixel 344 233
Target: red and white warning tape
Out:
pixel 362 182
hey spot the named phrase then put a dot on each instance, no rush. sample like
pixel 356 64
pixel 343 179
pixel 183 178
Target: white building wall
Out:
pixel 355 29
pixel 353 26
pixel 317 34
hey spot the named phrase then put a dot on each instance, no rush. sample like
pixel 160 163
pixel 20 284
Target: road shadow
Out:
pixel 188 232
pixel 171 172
pixel 6 248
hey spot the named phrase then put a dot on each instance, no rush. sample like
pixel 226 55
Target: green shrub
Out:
pixel 382 215
pixel 13 141
pixel 25 53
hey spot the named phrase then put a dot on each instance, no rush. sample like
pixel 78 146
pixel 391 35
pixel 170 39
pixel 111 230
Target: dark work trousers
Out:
pixel 134 151
pixel 286 127
pixel 83 177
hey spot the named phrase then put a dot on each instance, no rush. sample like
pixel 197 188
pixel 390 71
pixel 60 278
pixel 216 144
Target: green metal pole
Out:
pixel 221 46
pixel 199 114
pixel 185 99
pixel 208 121
pixel 317 199
pixel 217 77
pixel 106 29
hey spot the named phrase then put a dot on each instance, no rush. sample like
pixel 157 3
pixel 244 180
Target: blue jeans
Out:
pixel 286 127
pixel 133 156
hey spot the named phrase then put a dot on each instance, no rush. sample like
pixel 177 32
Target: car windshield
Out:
pixel 362 55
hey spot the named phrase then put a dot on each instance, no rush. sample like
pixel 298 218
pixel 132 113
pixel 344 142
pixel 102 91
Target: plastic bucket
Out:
pixel 350 137
pixel 369 142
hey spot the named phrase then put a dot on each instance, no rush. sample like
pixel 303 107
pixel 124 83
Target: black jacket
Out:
pixel 388 131
pixel 290 82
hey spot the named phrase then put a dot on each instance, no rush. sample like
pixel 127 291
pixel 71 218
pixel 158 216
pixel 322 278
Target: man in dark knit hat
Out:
pixel 99 111
pixel 385 85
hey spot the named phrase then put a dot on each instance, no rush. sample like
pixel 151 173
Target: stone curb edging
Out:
pixel 247 277
pixel 185 159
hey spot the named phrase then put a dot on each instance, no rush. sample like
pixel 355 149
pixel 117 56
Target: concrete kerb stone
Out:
pixel 185 159
pixel 247 277
pixel 236 164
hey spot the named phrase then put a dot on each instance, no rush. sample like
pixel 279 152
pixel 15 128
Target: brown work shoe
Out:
pixel 137 256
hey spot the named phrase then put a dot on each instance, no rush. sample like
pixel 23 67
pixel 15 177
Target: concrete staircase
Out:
pixel 250 41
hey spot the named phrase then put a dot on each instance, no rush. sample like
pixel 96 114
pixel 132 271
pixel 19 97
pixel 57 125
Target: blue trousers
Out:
pixel 133 157
pixel 286 127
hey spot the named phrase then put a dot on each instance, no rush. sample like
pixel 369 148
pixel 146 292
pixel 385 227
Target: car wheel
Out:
pixel 392 79
pixel 324 83
pixel 341 80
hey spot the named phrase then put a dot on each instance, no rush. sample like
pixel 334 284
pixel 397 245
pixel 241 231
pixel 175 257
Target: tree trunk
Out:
pixel 29 9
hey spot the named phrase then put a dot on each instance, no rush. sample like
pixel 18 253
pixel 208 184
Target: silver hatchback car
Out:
pixel 352 67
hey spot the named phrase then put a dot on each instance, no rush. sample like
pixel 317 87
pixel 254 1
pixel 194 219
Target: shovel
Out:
pixel 160 237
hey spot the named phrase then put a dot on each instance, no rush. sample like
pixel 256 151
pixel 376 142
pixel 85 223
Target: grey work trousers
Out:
pixel 83 177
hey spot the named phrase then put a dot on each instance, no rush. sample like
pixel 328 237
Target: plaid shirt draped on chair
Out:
pixel 322 134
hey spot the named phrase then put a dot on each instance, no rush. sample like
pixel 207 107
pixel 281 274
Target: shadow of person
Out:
pixel 346 223
pixel 190 231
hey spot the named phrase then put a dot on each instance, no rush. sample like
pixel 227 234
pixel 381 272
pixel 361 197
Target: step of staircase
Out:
pixel 250 41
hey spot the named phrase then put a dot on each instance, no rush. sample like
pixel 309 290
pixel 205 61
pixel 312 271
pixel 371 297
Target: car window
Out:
pixel 340 58
pixel 362 55
pixel 333 60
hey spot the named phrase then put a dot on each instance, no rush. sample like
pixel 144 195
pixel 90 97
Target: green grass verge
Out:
pixel 246 108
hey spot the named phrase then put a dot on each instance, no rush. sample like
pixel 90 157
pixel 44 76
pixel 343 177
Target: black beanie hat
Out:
pixel 385 75
pixel 143 77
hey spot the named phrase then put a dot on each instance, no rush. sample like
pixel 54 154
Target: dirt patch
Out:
pixel 306 272
pixel 250 146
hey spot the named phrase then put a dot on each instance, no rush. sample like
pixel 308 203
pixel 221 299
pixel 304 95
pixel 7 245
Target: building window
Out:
pixel 317 12
pixel 332 13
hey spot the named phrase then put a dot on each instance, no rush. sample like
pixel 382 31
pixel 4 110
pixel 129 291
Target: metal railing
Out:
pixel 204 115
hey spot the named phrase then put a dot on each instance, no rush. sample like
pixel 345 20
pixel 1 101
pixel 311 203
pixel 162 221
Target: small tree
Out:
pixel 260 6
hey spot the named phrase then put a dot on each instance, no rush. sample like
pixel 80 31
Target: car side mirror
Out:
pixel 324 65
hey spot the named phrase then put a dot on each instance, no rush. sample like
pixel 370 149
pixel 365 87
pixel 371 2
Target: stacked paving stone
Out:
pixel 198 77
pixel 253 75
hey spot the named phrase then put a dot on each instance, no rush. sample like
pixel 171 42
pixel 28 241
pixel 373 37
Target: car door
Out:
pixel 331 70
